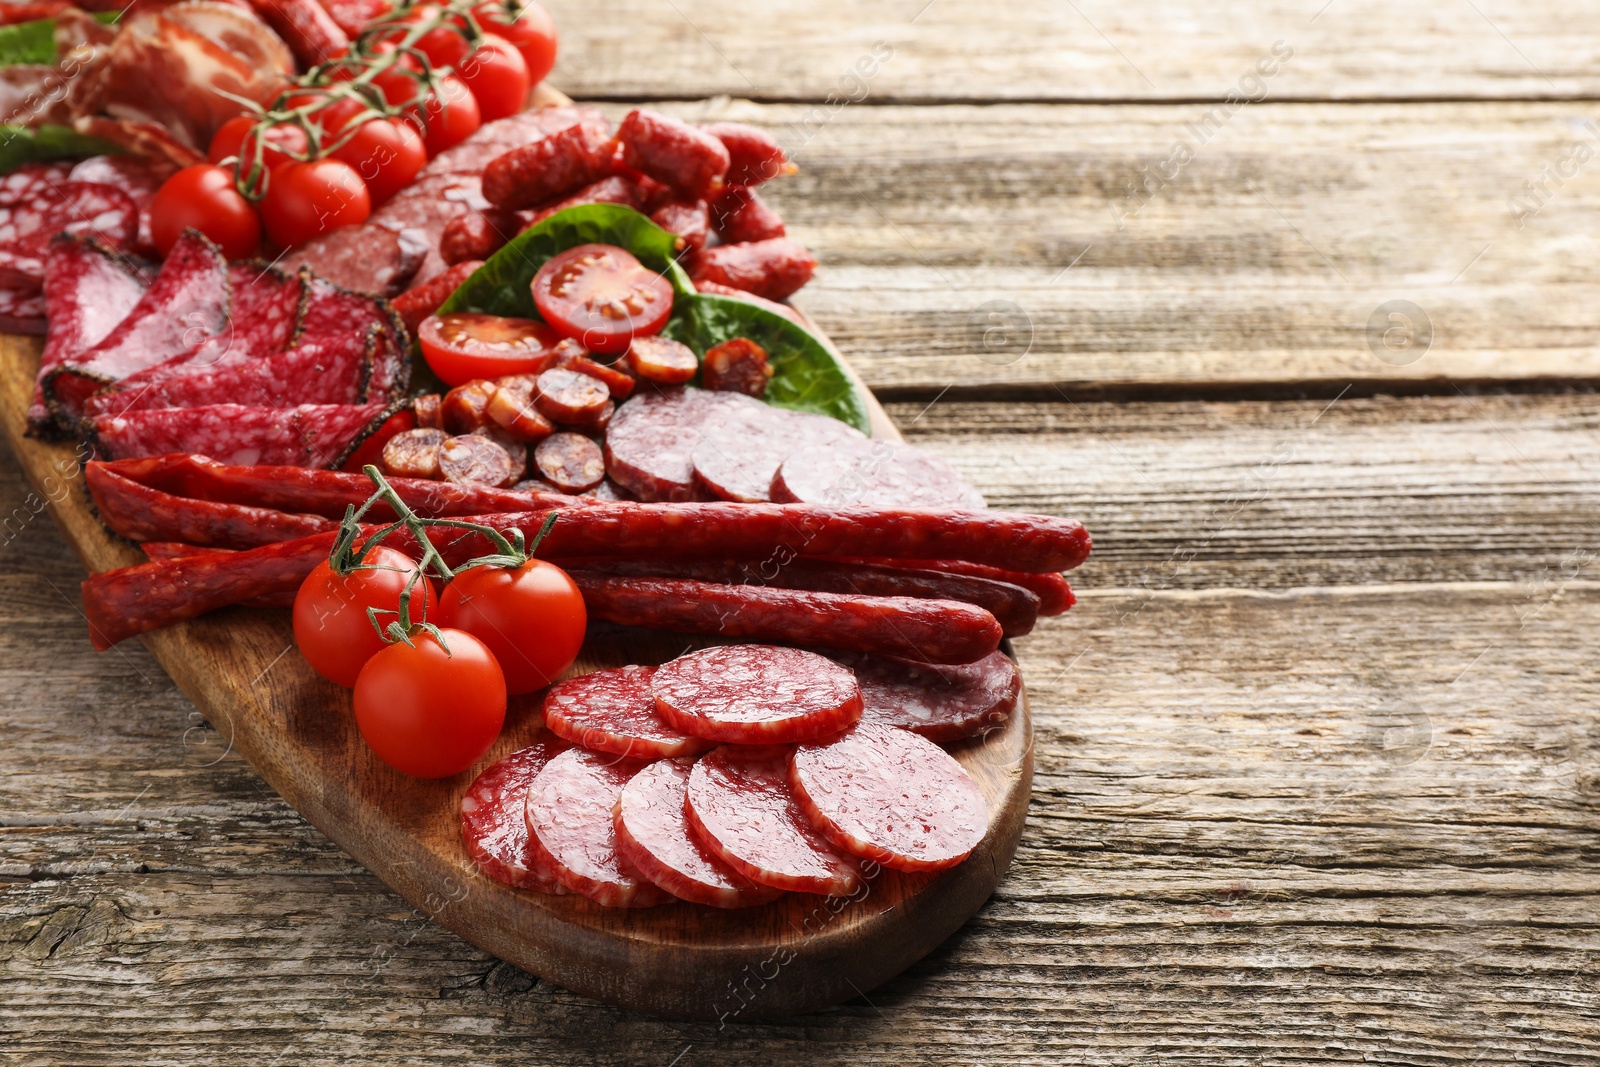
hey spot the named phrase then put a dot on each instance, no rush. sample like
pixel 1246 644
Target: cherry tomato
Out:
pixel 387 153
pixel 602 297
pixel 449 116
pixel 444 47
pixel 462 347
pixel 234 139
pixel 533 33
pixel 498 77
pixel 203 197
pixel 532 618
pixel 330 611
pixel 307 199
pixel 430 710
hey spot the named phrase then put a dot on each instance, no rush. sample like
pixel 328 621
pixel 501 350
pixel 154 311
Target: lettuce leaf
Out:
pixel 29 144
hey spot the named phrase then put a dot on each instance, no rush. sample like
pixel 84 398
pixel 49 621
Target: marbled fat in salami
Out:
pixel 334 316
pixel 742 447
pixel 872 473
pixel 138 176
pixel 493 822
pixel 613 711
pixel 31 218
pixel 756 694
pixel 312 435
pixel 22 312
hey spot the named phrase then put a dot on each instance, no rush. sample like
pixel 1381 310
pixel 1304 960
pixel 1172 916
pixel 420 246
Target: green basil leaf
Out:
pixel 28 42
pixel 25 144
pixel 807 376
pixel 500 286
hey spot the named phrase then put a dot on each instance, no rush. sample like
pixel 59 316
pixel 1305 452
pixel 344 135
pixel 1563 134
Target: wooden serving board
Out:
pixel 800 953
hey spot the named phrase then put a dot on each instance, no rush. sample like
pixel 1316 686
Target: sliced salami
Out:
pixel 942 702
pixel 571 462
pixel 877 474
pixel 22 312
pixel 366 259
pixel 756 694
pixel 312 435
pixel 653 837
pixel 890 796
pixel 740 805
pixel 741 449
pixel 494 824
pixel 184 308
pixel 571 829
pixel 30 219
pixel 613 711
pixel 332 315
pixel 652 437
pixel 138 176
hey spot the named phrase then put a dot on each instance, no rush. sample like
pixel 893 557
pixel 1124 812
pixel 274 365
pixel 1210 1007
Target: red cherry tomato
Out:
pixel 204 197
pixel 533 33
pixel 462 347
pixel 532 618
pixel 387 153
pixel 234 140
pixel 430 710
pixel 449 116
pixel 330 611
pixel 602 297
pixel 498 77
pixel 444 47
pixel 307 199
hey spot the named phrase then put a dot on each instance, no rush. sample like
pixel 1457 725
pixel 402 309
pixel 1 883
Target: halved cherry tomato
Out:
pixel 498 77
pixel 330 611
pixel 203 196
pixel 602 297
pixel 307 199
pixel 431 710
pixel 462 347
pixel 449 116
pixel 532 618
pixel 387 153
pixel 532 32
pixel 233 139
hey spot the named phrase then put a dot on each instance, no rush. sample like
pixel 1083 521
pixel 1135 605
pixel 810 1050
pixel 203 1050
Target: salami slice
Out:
pixel 653 836
pixel 890 796
pixel 944 702
pixel 331 316
pixel 880 474
pixel 185 306
pixel 312 435
pixel 613 711
pixel 740 805
pixel 570 462
pixel 22 312
pixel 756 694
pixel 138 176
pixel 571 828
pixel 741 449
pixel 493 822
pixel 653 435
pixel 88 289
pixel 365 259
pixel 31 218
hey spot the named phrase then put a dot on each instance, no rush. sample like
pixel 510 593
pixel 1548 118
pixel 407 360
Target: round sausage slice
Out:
pixel 492 822
pixel 890 796
pixel 570 462
pixel 464 408
pixel 940 702
pixel 570 827
pixel 741 806
pixel 569 398
pixel 742 448
pixel 413 453
pixel 612 711
pixel 511 408
pixel 473 459
pixel 659 359
pixel 756 694
pixel 653 836
pixel 877 474
pixel 649 442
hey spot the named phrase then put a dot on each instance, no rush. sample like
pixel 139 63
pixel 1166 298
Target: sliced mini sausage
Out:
pixel 414 453
pixel 473 459
pixel 570 461
pixel 465 407
pixel 659 359
pixel 569 398
pixel 512 408
pixel 618 383
pixel 427 410
pixel 514 448
pixel 737 366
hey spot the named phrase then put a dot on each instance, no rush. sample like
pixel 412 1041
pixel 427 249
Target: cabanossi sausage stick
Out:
pixel 141 513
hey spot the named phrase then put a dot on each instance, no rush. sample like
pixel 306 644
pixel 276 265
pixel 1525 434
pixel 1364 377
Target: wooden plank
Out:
pixel 1259 271
pixel 1081 50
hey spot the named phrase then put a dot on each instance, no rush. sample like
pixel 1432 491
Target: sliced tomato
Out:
pixel 528 27
pixel 463 347
pixel 203 196
pixel 602 297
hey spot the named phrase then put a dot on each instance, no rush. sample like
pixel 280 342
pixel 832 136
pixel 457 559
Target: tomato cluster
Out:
pixel 431 705
pixel 295 196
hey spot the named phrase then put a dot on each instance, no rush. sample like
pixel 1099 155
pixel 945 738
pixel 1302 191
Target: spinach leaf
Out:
pixel 807 376
pixel 500 286
pixel 24 144
pixel 28 42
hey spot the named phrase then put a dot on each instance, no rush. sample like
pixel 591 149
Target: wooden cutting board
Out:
pixel 800 953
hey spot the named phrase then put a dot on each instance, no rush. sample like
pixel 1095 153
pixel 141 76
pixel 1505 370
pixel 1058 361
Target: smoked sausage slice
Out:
pixel 756 694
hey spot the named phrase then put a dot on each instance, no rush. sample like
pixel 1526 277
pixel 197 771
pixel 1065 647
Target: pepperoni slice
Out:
pixel 612 711
pixel 570 462
pixel 492 822
pixel 660 359
pixel 740 805
pixel 569 820
pixel 653 836
pixel 414 453
pixel 940 702
pixel 475 460
pixel 570 398
pixel 465 408
pixel 756 694
pixel 743 447
pixel 890 796
pixel 877 474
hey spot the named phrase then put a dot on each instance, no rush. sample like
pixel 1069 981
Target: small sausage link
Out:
pixel 477 234
pixel 673 152
pixel 570 461
pixel 473 459
pixel 774 269
pixel 426 408
pixel 465 407
pixel 512 408
pixel 741 216
pixel 754 156
pixel 552 166
pixel 738 365
pixel 569 398
pixel 414 453
pixel 688 219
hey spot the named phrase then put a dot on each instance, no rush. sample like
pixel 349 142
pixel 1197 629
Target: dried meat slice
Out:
pixel 943 702
pixel 493 824
pixel 877 474
pixel 185 306
pixel 742 447
pixel 138 176
pixel 739 805
pixel 331 315
pixel 22 312
pixel 652 438
pixel 88 289
pixel 312 435
pixel 570 827
pixel 756 694
pixel 889 796
pixel 653 836
pixel 31 218
pixel 613 711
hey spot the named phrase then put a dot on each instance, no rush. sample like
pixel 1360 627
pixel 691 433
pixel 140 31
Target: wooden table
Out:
pixel 1318 763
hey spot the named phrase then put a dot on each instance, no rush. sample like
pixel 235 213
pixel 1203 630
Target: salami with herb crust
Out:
pixel 654 837
pixel 494 825
pixel 311 435
pixel 941 702
pixel 890 796
pixel 31 218
pixel 88 290
pixel 740 805
pixel 756 694
pixel 613 711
